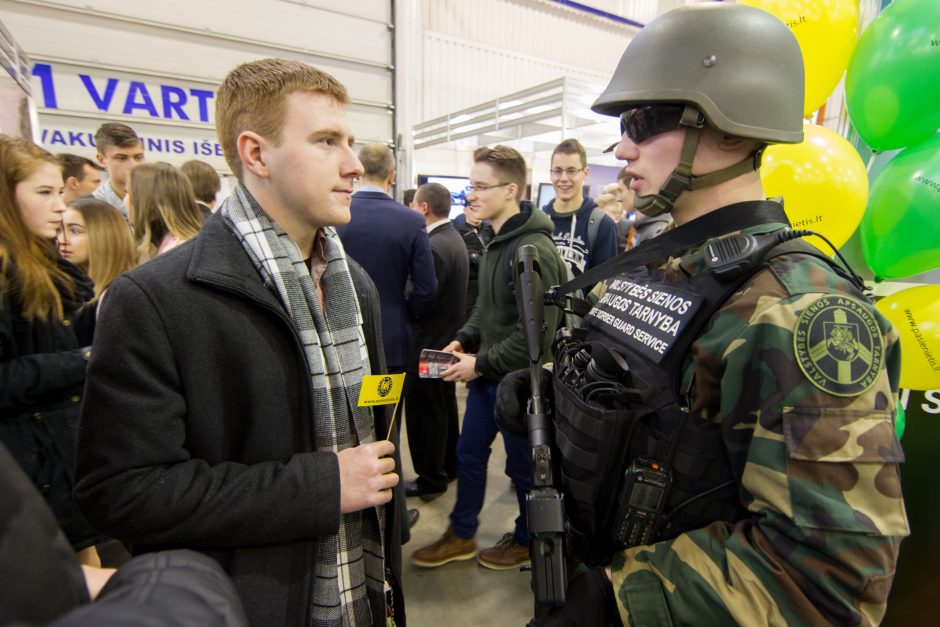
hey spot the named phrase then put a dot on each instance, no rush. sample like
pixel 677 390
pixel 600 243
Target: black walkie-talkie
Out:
pixel 643 495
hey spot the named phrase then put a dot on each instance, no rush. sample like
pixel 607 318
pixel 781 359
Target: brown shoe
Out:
pixel 449 548
pixel 506 555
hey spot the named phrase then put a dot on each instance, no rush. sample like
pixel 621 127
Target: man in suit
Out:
pixel 390 242
pixel 432 403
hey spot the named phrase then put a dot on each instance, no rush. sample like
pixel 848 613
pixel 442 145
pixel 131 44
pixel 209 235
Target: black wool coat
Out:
pixel 196 429
pixel 42 370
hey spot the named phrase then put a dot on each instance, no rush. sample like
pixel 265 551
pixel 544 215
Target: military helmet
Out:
pixel 740 66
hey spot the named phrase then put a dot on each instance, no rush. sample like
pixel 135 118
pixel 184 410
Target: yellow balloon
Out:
pixel 823 183
pixel 915 313
pixel 827 31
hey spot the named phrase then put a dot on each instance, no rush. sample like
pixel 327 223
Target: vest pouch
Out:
pixel 592 442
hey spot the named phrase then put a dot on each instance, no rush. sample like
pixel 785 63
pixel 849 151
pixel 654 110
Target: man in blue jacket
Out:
pixel 390 242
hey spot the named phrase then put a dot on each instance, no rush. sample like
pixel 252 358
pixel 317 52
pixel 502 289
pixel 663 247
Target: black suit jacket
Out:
pixel 390 242
pixel 439 325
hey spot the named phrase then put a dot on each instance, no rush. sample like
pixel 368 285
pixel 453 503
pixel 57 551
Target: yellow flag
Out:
pixel 381 389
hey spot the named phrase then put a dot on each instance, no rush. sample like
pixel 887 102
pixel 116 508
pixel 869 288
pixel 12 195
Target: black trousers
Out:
pixel 431 420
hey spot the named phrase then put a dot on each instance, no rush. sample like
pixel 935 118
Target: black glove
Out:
pixel 512 397
pixel 590 602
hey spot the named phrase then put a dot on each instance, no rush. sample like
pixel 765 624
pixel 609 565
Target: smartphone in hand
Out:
pixel 432 363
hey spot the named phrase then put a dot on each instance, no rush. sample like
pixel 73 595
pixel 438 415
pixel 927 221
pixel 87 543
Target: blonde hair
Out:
pixel 605 200
pixel 162 202
pixel 34 281
pixel 253 97
pixel 110 243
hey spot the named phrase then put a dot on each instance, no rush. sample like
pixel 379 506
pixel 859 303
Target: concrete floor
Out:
pixel 464 594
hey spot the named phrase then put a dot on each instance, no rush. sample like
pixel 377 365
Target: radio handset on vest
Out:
pixel 729 256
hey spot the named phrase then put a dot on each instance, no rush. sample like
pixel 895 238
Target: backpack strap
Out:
pixel 594 225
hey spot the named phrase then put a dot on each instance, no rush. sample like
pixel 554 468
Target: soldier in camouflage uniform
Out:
pixel 797 372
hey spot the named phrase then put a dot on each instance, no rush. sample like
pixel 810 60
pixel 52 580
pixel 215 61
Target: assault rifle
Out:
pixel 544 503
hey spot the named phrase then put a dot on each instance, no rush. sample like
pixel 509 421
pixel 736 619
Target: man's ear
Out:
pixel 733 143
pixel 72 183
pixel 251 147
pixel 100 159
pixel 424 208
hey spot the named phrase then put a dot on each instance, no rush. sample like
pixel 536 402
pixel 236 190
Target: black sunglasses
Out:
pixel 644 122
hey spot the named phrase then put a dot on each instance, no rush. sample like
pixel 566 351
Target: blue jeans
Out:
pixel 473 452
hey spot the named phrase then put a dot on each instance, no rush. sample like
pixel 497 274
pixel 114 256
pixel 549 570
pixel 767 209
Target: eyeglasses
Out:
pixel 647 121
pixel 477 187
pixel 571 172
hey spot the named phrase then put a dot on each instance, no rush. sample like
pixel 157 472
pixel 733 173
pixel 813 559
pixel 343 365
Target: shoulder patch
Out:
pixel 838 345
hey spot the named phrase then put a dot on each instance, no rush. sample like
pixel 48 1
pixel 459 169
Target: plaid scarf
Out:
pixel 349 568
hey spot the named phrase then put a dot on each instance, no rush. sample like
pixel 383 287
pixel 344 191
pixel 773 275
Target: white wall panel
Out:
pixel 461 73
pixel 539 29
pixel 185 45
pixel 472 52
pixel 288 24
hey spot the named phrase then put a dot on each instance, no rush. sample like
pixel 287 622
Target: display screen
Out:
pixel 458 187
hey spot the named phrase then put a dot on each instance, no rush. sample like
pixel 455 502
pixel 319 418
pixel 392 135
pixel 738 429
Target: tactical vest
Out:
pixel 601 428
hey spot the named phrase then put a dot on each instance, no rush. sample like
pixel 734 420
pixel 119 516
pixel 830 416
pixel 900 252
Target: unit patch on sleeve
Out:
pixel 838 345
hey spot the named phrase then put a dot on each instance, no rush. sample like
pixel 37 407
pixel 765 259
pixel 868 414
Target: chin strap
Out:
pixel 681 178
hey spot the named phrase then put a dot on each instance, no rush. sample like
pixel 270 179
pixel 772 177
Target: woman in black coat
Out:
pixel 42 366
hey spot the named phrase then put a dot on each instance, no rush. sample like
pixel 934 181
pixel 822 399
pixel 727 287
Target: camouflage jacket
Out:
pixel 802 375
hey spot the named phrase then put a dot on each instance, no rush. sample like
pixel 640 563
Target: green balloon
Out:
pixel 900 230
pixel 892 86
pixel 900 421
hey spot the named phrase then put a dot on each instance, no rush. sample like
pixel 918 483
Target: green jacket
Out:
pixel 494 330
pixel 802 374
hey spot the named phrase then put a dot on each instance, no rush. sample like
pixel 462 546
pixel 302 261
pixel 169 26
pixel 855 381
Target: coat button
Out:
pixel 76 398
pixel 37 415
pixel 67 323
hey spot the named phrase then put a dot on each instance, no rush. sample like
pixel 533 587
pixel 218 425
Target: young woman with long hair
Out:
pixel 161 208
pixel 96 238
pixel 42 365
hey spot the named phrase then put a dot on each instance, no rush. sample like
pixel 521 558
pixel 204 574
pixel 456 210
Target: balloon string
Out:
pixel 871 162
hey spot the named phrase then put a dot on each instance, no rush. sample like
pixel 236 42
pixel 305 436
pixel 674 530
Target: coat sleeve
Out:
pixel 24 379
pixel 510 353
pixel 423 280
pixel 469 333
pixel 180 588
pixel 137 481
pixel 818 477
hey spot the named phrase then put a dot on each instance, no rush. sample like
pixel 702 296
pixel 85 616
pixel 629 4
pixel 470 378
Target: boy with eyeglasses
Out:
pixel 491 344
pixel 770 419
pixel 584 235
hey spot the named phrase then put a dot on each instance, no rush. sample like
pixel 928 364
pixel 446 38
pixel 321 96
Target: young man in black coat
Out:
pixel 221 407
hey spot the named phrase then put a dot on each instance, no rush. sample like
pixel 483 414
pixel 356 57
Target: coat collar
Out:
pixel 218 259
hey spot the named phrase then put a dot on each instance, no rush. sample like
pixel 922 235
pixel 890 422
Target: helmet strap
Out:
pixel 653 205
pixel 682 179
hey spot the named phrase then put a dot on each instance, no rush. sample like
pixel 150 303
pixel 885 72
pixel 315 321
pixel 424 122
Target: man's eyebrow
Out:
pixel 329 133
